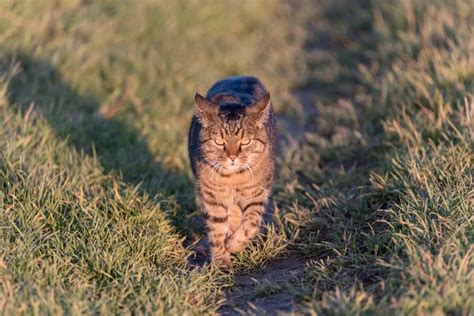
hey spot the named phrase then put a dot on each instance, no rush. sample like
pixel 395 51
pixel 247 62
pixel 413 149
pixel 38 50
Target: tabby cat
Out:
pixel 232 151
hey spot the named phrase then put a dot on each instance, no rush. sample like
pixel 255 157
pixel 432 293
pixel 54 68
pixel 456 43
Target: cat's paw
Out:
pixel 235 244
pixel 222 261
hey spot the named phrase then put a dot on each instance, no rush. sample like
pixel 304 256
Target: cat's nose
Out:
pixel 232 157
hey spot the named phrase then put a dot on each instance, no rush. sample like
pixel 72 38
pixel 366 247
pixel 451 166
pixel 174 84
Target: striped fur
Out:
pixel 232 152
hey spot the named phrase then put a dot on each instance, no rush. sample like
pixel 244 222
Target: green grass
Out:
pixel 96 195
pixel 387 213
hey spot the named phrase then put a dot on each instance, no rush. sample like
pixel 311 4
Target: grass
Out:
pixel 96 194
pixel 96 197
pixel 387 213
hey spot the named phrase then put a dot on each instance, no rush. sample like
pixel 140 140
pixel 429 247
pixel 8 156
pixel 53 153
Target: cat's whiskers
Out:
pixel 213 165
pixel 216 168
pixel 247 167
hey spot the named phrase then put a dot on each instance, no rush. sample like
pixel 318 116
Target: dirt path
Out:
pixel 273 289
pixel 291 129
pixel 330 85
pixel 267 291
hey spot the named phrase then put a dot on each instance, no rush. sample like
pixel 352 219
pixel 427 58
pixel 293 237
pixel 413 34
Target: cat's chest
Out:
pixel 231 186
pixel 230 194
pixel 230 181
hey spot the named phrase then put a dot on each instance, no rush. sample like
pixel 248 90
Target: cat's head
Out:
pixel 232 137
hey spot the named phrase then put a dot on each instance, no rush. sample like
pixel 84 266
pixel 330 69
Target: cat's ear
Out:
pixel 260 108
pixel 205 109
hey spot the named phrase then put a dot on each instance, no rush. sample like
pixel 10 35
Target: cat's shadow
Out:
pixel 77 118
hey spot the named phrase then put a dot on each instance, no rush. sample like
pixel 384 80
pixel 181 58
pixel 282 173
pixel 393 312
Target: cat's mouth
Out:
pixel 233 165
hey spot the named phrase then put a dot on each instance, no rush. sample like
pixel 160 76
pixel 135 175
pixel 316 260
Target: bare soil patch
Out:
pixel 266 291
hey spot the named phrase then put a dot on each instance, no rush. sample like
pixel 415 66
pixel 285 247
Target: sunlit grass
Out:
pixel 96 197
pixel 386 216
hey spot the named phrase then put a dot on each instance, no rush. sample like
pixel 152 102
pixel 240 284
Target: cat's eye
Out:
pixel 245 141
pixel 219 142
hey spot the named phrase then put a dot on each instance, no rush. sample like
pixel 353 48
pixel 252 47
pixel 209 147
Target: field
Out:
pixel 373 207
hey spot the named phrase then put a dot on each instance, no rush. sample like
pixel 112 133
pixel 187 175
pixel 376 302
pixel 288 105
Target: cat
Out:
pixel 232 143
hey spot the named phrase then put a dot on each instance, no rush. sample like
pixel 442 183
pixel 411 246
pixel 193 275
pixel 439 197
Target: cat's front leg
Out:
pixel 251 222
pixel 215 214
